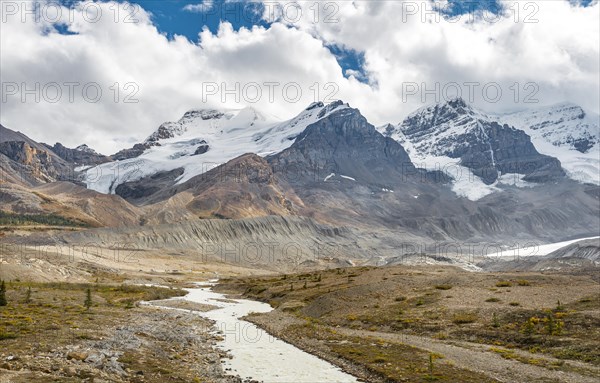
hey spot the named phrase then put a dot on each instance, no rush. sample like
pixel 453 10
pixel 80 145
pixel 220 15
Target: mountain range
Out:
pixel 447 172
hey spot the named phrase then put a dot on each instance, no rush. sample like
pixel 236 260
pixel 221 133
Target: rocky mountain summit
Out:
pixel 456 130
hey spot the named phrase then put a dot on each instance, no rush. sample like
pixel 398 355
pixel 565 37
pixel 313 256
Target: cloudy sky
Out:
pixel 108 73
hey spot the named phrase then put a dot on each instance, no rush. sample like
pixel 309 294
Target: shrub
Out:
pixel 529 327
pixel 553 325
pixel 495 321
pixel 514 304
pixel 493 299
pixel 431 366
pixel 443 287
pixel 503 284
pixel 8 335
pixel 400 299
pixel 464 318
pixel 523 282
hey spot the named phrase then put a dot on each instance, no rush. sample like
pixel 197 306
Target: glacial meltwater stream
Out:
pixel 256 354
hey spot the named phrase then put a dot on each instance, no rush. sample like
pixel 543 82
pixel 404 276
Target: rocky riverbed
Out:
pixel 108 343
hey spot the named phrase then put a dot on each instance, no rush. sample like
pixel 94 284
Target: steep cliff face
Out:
pixel 39 163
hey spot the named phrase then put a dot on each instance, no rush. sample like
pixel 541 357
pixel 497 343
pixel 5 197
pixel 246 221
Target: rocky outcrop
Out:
pixel 166 130
pixel 132 152
pixel 81 155
pixel 243 187
pixel 30 162
pixel 202 148
pixel 137 191
pixel 495 150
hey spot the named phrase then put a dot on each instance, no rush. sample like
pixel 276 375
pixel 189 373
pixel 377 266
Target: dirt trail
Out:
pixel 477 357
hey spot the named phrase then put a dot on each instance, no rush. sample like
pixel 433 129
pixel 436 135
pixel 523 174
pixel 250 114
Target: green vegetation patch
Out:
pixel 14 219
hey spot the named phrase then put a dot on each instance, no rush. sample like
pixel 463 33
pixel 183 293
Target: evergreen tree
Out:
pixel 3 301
pixel 88 299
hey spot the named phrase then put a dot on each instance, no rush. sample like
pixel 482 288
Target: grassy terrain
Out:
pixel 395 362
pixel 552 315
pixel 43 321
pixel 58 308
pixel 54 310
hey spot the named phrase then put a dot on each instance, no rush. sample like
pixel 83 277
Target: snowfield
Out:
pixel 531 249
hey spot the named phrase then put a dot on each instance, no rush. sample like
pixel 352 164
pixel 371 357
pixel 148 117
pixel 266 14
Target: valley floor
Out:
pixel 384 324
pixel 381 324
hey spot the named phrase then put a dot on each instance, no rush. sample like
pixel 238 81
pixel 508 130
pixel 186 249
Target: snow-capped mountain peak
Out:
pixel 205 138
pixel 457 135
pixel 436 130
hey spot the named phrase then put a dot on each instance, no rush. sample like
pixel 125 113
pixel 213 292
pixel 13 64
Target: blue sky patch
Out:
pixel 351 61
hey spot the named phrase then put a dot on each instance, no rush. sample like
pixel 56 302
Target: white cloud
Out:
pixel 205 6
pixel 559 53
pixel 551 44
